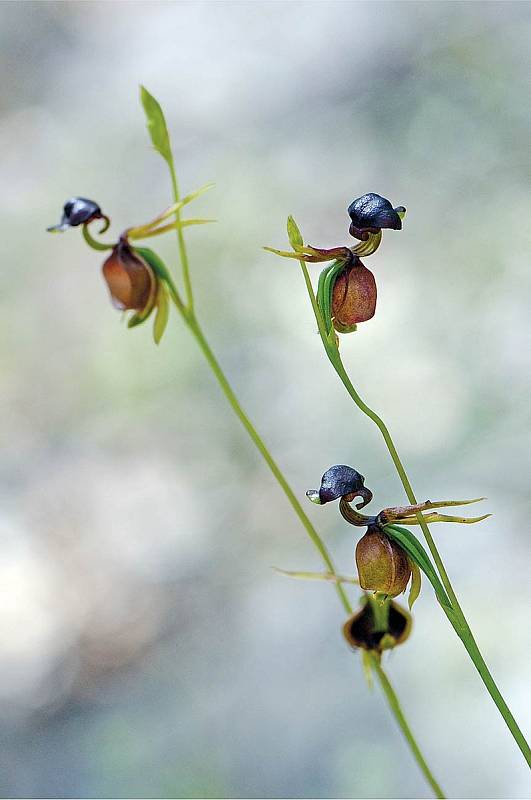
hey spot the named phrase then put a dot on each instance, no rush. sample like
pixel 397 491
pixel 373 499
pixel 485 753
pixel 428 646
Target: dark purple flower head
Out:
pixel 371 212
pixel 77 211
pixel 340 481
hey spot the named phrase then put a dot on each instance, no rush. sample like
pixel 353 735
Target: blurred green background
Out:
pixel 148 649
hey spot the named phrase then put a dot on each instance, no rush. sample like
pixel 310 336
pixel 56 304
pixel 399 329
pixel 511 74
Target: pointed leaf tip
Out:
pixel 161 318
pixel 294 234
pixel 156 124
pixel 417 554
pixel 416 582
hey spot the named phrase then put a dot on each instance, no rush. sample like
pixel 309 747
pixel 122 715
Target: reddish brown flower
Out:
pixel 353 296
pixel 382 564
pixel 131 281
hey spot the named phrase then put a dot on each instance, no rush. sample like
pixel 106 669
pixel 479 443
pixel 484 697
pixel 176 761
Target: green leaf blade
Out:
pixel 155 262
pixel 409 542
pixel 416 583
pixel 161 317
pixel 294 234
pixel 156 124
pixel 139 318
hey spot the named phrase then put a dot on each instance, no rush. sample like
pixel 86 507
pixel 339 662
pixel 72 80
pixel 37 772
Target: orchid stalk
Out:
pixel 140 282
pixel 344 298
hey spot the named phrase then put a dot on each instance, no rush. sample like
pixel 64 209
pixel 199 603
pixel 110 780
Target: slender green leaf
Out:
pixel 194 195
pixel 294 234
pixel 155 262
pixel 283 253
pixel 156 125
pixel 161 317
pixel 416 582
pixel 172 226
pixel 316 576
pixel 139 317
pixel 324 292
pixel 409 542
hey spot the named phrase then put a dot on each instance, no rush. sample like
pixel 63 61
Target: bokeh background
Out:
pixel 148 649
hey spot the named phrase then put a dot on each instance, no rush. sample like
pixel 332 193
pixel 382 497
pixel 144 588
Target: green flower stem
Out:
pixel 460 624
pixel 93 242
pixel 180 239
pixel 190 318
pixel 392 699
pixel 193 324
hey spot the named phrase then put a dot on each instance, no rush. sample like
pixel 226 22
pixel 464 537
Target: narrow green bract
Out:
pixel 294 234
pixel 156 124
pixel 324 293
pixel 416 582
pixel 155 262
pixel 161 317
pixel 409 542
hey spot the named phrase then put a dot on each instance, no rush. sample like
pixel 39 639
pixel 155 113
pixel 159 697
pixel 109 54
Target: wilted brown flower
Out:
pixel 377 626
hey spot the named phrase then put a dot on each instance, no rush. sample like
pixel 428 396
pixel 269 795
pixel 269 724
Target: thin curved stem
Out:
pixel 316 539
pixel 180 240
pixel 189 317
pixel 392 699
pixel 100 246
pixel 461 625
pixel 193 325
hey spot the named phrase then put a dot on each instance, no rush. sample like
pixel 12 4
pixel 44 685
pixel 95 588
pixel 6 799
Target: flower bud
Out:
pixel 77 211
pixel 131 281
pixel 340 481
pixel 382 564
pixel 353 297
pixel 377 627
pixel 372 212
